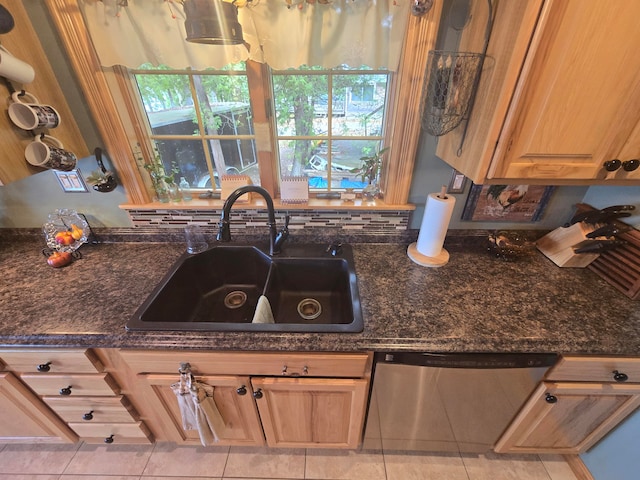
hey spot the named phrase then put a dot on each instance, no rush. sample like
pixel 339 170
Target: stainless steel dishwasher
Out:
pixel 448 402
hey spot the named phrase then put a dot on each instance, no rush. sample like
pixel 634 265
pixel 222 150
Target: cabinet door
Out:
pixel 578 98
pixel 238 410
pixel 311 412
pixel 25 419
pixel 568 417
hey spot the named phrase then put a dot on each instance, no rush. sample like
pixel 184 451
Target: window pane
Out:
pixel 224 104
pixel 345 156
pixel 168 103
pixel 296 155
pixel 358 104
pixel 187 156
pixel 327 169
pixel 239 158
pixel 301 104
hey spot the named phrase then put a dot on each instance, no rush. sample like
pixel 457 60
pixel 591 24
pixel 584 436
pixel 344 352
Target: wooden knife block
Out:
pixel 557 245
pixel 621 267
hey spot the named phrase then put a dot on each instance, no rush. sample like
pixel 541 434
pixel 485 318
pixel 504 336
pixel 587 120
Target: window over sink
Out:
pixel 116 106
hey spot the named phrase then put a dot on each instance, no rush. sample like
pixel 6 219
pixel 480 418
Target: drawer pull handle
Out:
pixel 258 393
pixel 66 390
pixel 551 398
pixel 109 439
pixel 242 390
pixel 44 367
pixel 88 416
pixel 305 371
pixel 619 376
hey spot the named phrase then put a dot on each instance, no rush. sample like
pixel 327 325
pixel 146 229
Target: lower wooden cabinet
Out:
pixel 307 412
pixel 570 416
pixel 292 400
pixel 232 395
pixel 25 419
pixel 72 383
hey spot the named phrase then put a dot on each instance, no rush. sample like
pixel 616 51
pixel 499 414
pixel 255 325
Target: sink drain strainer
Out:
pixel 235 299
pixel 309 308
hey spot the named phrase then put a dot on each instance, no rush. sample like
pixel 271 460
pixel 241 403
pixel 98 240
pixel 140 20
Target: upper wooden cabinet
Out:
pixel 559 95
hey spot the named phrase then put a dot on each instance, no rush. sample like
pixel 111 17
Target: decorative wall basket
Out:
pixel 450 89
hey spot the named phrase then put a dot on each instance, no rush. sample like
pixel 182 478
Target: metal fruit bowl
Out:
pixel 63 220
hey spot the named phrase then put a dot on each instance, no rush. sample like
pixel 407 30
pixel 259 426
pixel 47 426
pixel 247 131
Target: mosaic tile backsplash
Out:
pixel 367 222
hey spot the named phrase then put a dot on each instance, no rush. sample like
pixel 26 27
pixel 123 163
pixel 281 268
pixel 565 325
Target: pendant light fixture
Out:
pixel 214 22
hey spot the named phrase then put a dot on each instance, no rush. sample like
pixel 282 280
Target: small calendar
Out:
pixel 294 190
pixel 231 182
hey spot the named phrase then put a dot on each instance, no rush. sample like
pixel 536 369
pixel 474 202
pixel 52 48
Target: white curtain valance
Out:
pixel 344 32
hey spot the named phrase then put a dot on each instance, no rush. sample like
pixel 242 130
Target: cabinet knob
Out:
pixel 551 398
pixel 619 376
pixel 88 416
pixel 44 367
pixel 65 390
pixel 258 393
pixel 612 165
pixel 241 390
pixel 109 439
pixel 284 370
pixel 631 165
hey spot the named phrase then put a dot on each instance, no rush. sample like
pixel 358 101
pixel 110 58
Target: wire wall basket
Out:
pixel 448 96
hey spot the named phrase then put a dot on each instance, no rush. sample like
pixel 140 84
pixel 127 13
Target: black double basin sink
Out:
pixel 308 289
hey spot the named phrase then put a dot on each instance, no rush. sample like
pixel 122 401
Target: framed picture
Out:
pixel 506 203
pixel 71 182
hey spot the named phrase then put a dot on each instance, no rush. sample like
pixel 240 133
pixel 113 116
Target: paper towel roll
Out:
pixel 435 222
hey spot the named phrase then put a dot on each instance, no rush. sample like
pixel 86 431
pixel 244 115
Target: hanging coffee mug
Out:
pixel 48 152
pixel 28 113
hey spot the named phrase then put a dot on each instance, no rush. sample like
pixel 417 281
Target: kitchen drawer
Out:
pixel 595 369
pixel 241 363
pixel 122 432
pixel 51 360
pixel 81 384
pixel 103 409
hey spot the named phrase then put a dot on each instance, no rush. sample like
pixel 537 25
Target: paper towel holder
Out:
pixel 442 258
pixel 438 261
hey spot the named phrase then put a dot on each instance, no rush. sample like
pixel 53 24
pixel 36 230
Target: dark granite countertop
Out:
pixel 476 303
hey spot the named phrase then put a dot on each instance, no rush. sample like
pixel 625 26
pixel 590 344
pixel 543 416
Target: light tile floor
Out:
pixel 170 461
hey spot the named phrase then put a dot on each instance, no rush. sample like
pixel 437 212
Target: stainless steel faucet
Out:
pixel 276 239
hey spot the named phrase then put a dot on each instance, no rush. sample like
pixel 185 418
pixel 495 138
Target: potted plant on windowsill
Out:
pixel 164 185
pixel 369 171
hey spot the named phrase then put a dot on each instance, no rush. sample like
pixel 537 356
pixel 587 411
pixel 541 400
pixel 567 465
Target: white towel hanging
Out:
pixel 198 408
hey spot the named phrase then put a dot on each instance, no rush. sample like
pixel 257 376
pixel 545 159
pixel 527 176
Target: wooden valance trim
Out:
pixel 404 120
